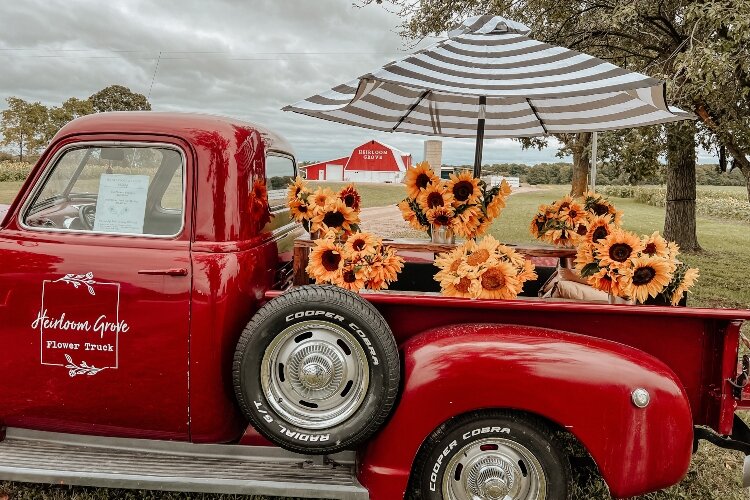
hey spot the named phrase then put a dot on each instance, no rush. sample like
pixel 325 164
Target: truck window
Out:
pixel 280 172
pixel 135 190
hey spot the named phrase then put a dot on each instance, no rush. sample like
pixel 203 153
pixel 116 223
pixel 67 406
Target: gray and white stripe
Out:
pixel 531 88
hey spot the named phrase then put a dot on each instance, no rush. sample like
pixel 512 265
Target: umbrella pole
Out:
pixel 480 138
pixel 593 162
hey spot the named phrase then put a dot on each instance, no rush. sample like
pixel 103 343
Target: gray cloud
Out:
pixel 239 58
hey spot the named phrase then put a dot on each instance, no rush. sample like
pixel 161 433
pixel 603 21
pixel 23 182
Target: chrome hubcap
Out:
pixel 315 374
pixel 494 469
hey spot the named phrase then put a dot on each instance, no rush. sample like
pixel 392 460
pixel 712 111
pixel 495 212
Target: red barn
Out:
pixel 373 161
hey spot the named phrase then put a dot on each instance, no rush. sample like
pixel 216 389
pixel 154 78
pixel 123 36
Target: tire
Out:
pixel 316 370
pixel 491 454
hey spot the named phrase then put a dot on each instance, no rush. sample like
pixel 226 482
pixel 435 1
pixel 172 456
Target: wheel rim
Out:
pixel 494 469
pixel 315 375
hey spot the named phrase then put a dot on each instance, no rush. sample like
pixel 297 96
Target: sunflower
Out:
pixel 390 265
pixel 618 248
pixel 465 188
pixel 527 272
pixel 687 281
pixel 410 215
pixel 351 198
pixel 496 204
pixel 499 281
pixel 480 253
pixel 299 210
pixel 655 245
pixel 351 277
pixel 562 203
pixel 505 188
pixel 607 281
pixel 562 237
pixel 418 178
pixel 433 196
pixel 584 258
pixel 572 214
pixel 335 215
pixel 599 228
pixel 441 216
pixel 459 288
pixel 295 189
pixel 507 253
pixel 360 245
pixel 538 222
pixel 320 198
pixel 449 263
pixel 646 278
pixel 326 260
pixel 673 249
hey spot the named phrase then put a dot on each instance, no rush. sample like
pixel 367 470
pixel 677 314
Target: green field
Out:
pixel 725 273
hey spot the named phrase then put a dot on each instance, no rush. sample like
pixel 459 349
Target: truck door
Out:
pixel 95 294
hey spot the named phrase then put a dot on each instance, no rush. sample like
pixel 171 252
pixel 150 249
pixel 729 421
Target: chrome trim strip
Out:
pixel 52 163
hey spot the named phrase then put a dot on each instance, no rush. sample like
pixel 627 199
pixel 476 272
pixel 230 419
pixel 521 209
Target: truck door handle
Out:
pixel 180 271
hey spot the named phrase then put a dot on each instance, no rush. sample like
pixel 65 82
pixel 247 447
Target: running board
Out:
pixel 47 457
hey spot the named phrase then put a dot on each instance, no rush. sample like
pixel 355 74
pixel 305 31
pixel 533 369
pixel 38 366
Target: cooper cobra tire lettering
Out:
pixel 362 326
pixel 440 449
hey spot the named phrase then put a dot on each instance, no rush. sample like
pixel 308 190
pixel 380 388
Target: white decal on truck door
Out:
pixel 79 324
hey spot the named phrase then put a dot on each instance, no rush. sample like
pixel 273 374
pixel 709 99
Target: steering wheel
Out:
pixel 87 214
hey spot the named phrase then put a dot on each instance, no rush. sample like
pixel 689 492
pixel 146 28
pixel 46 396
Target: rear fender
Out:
pixel 581 383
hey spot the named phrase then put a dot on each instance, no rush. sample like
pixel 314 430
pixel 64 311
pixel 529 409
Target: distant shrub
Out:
pixel 713 202
pixel 14 170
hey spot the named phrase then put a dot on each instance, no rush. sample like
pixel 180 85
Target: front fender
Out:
pixel 582 383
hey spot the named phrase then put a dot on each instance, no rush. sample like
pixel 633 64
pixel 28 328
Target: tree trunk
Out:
pixel 581 163
pixel 20 149
pixel 679 222
pixel 745 169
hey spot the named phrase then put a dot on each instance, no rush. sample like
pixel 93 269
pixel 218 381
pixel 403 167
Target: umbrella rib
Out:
pixel 411 108
pixel 533 110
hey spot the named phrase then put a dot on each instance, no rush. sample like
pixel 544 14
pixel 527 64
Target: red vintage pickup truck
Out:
pixel 149 338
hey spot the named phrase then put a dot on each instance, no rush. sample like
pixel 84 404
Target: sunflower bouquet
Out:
pixel 626 265
pixel 324 210
pixel 463 204
pixel 363 262
pixel 485 269
pixel 568 221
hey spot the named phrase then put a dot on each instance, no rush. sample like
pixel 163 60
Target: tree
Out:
pixel 632 155
pixel 68 111
pixel 23 125
pixel 119 98
pixel 679 223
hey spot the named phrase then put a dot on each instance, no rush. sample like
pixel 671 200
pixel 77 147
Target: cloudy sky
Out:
pixel 242 58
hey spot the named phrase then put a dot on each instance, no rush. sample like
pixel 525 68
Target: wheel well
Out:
pixel 572 447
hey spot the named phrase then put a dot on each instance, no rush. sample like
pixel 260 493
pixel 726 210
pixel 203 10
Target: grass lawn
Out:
pixel 725 273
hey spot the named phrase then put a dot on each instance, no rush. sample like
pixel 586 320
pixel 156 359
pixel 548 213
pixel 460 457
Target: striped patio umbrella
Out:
pixel 489 79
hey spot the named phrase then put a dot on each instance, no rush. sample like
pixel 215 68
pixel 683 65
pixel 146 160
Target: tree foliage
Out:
pixel 118 98
pixel 27 127
pixel 22 126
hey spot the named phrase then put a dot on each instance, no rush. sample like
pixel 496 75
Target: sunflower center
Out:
pixel 442 220
pixel 462 190
pixel 600 209
pixel 463 285
pixel 478 257
pixel 435 199
pixel 582 230
pixel 349 200
pixel 643 275
pixel 302 208
pixel 422 181
pixel 650 249
pixel 333 219
pixel 620 252
pixel 330 260
pixel 599 233
pixel 359 244
pixel 349 276
pixel 572 214
pixel 455 265
pixel 493 279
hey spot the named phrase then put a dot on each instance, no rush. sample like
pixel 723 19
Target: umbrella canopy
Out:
pixel 489 79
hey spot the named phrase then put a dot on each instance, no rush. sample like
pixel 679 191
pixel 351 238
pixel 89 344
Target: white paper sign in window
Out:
pixel 121 206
